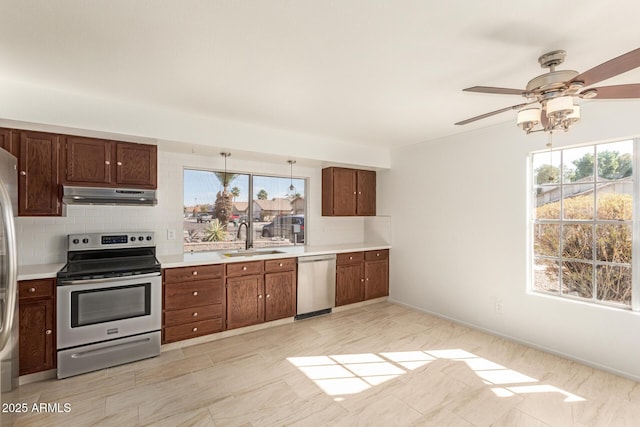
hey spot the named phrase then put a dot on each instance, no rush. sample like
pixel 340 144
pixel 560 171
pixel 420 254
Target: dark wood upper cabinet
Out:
pixel 38 185
pixel 348 192
pixel 98 162
pixel 87 161
pixel 10 140
pixel 136 165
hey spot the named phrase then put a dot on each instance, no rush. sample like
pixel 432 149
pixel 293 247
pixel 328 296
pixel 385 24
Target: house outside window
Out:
pixel 222 212
pixel 582 227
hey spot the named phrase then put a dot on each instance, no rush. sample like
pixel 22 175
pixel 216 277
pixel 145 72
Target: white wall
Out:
pixel 460 240
pixel 43 240
pixel 34 104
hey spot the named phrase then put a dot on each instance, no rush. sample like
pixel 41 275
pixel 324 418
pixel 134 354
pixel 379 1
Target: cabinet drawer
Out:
pixel 28 289
pixel 376 255
pixel 274 265
pixel 191 330
pixel 192 294
pixel 350 258
pixel 192 314
pixel 196 272
pixel 244 268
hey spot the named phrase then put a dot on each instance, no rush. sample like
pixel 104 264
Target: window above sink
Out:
pixel 220 217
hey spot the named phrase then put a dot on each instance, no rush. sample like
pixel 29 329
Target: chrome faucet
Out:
pixel 247 245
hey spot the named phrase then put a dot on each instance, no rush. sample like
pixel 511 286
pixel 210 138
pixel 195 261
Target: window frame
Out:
pixel 250 210
pixel 634 224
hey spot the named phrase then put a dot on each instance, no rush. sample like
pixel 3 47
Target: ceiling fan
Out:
pixel 550 97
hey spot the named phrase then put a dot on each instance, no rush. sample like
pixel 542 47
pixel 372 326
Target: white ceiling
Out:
pixel 381 72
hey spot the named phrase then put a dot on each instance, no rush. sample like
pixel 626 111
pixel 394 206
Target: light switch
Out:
pixel 171 234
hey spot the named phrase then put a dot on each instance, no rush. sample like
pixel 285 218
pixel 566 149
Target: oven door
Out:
pixel 96 310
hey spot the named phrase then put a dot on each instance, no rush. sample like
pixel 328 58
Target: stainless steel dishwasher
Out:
pixel 316 285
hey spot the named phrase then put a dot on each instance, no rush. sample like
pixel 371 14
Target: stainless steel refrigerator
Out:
pixel 8 274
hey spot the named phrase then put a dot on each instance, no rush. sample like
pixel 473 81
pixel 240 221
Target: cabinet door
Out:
pixel 245 301
pixel 38 189
pixel 366 192
pixel 341 194
pixel 136 165
pixel 376 279
pixel 280 295
pixel 9 140
pixel 36 336
pixel 87 161
pixel 349 284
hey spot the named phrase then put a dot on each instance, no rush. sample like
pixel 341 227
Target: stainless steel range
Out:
pixel 109 302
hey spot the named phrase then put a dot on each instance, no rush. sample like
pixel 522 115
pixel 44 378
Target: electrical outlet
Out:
pixel 171 234
pixel 499 307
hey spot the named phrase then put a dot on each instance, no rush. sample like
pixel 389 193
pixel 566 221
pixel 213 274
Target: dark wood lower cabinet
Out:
pixel 36 331
pixel 280 295
pixel 193 302
pixel 349 284
pixel 362 276
pixel 245 301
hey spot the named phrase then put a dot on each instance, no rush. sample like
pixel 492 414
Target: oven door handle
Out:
pixel 107 279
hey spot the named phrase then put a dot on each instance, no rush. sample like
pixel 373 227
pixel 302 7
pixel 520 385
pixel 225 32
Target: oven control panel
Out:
pixel 110 240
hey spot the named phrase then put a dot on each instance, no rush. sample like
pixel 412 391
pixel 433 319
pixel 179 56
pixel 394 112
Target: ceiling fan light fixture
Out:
pixel 559 107
pixel 528 118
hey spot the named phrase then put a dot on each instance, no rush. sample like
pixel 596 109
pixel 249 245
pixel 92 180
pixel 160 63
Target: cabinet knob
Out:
pixel 32 290
pixel 48 331
pixel 23 173
pixel 280 265
pixel 359 192
pixel 107 162
pixel 268 296
pixel 195 273
pixel 259 296
pixel 195 314
pixel 350 257
pixel 362 280
pixel 119 163
pixel 354 192
pixel 244 268
pixel 195 293
pixel 367 279
pixel 194 330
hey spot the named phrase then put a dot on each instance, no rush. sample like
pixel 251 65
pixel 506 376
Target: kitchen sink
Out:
pixel 252 253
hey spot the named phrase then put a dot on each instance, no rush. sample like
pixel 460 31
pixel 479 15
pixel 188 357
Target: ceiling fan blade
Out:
pixel 493 113
pixel 611 68
pixel 617 92
pixel 498 90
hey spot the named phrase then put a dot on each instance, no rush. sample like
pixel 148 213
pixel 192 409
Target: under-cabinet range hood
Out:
pixel 108 196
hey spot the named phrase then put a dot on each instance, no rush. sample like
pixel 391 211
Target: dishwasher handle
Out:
pixel 316 258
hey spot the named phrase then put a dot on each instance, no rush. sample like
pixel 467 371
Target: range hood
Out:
pixel 108 196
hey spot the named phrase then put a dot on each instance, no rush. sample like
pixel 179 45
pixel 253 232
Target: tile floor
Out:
pixel 377 365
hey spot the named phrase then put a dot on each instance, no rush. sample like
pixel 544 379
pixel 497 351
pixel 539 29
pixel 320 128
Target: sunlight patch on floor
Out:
pixel 347 374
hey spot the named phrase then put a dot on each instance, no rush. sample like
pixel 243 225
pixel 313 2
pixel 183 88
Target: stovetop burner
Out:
pixel 100 255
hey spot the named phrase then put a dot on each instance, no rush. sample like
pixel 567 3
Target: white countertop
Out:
pixel 217 257
pixel 38 271
pixel 43 271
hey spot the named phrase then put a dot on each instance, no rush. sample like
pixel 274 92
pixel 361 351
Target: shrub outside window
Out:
pixel 582 223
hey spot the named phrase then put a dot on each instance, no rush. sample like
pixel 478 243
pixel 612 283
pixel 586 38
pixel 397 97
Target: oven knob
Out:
pixel 133 239
pixel 148 237
pixel 76 241
pixel 85 240
pixel 141 238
